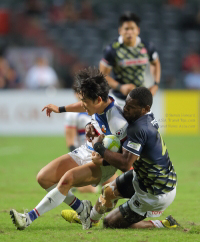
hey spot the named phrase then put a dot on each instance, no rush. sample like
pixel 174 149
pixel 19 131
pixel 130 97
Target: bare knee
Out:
pixel 66 182
pixel 41 179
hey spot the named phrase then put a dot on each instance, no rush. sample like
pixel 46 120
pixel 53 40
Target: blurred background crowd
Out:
pixel 44 42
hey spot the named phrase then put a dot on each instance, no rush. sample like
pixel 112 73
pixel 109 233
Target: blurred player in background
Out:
pixel 127 58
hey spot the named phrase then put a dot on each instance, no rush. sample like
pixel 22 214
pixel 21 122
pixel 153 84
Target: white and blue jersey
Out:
pixel 111 121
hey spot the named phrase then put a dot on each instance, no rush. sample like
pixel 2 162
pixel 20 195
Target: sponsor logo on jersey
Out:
pixel 134 146
pixel 157 212
pixel 136 203
pixel 134 62
pixel 103 128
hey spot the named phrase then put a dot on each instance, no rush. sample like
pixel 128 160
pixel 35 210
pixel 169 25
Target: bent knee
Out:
pixel 41 178
pixel 67 180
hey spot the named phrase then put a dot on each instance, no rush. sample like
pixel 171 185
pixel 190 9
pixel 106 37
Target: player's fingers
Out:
pixel 44 108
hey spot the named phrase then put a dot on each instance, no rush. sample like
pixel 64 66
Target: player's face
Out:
pixel 89 105
pixel 132 111
pixel 129 31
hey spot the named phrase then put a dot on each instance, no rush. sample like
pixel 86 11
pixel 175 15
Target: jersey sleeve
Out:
pixel 118 124
pixel 108 56
pixel 152 52
pixel 71 120
pixel 135 141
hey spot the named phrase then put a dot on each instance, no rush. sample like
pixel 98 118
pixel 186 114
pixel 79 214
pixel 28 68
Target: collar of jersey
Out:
pixel 109 106
pixel 138 41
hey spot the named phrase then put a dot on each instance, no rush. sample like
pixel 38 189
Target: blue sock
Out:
pixel 76 205
pixel 33 215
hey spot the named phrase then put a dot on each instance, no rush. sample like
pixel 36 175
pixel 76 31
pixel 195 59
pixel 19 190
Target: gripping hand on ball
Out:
pixel 98 139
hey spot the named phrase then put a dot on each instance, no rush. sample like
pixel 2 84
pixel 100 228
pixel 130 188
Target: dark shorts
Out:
pixel 124 184
pixel 126 189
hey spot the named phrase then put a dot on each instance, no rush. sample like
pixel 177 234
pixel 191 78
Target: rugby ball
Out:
pixel 111 142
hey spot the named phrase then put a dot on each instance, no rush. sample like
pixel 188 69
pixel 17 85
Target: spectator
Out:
pixel 192 79
pixel 8 75
pixel 191 65
pixel 41 75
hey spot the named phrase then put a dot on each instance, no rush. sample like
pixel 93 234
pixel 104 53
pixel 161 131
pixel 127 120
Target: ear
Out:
pixel 99 100
pixel 138 31
pixel 147 108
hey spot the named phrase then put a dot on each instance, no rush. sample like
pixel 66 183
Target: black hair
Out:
pixel 128 16
pixel 91 83
pixel 142 95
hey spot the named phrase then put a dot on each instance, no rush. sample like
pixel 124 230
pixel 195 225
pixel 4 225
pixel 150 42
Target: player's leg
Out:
pixel 52 173
pixel 78 176
pixel 117 189
pixel 122 217
pixel 168 222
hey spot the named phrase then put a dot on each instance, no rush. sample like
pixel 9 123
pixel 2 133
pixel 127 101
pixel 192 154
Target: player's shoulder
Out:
pixel 116 119
pixel 115 44
pixel 140 126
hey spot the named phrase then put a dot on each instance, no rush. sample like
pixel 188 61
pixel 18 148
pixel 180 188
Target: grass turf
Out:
pixel 22 157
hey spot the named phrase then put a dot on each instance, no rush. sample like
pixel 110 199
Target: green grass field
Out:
pixel 22 157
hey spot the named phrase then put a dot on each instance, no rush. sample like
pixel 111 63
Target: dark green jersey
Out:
pixel 154 169
pixel 129 63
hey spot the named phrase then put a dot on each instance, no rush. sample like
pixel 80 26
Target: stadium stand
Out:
pixel 83 40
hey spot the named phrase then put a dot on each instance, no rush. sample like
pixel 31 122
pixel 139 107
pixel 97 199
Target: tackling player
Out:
pixel 127 58
pixel 76 169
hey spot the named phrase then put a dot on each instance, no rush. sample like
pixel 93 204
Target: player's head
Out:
pixel 92 89
pixel 129 27
pixel 138 103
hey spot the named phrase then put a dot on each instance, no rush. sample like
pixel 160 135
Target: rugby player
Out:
pixel 151 186
pixel 76 169
pixel 127 58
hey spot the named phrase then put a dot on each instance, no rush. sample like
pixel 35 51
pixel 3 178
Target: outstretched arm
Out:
pixel 75 107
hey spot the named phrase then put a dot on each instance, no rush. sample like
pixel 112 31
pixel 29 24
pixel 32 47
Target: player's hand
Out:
pixel 126 88
pixel 98 139
pixel 90 132
pixel 50 108
pixel 97 159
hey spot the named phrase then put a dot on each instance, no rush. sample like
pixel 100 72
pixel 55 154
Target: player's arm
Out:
pixel 75 107
pixel 123 88
pixel 155 68
pixel 122 161
pixel 106 70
